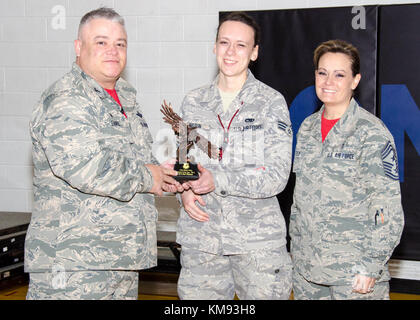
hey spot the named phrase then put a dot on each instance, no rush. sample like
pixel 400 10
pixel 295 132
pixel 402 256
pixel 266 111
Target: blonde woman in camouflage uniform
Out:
pixel 94 220
pixel 347 216
pixel 231 229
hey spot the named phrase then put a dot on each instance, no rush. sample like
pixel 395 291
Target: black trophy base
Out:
pixel 186 171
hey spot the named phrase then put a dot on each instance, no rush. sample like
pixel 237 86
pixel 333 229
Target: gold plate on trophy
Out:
pixel 186 171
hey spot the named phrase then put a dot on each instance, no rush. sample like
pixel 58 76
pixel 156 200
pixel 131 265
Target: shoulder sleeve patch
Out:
pixel 390 161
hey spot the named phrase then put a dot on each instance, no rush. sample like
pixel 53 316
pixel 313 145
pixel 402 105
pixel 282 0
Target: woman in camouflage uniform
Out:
pixel 234 238
pixel 347 216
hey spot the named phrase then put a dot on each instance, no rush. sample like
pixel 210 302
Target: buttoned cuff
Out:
pixel 369 269
pixel 147 179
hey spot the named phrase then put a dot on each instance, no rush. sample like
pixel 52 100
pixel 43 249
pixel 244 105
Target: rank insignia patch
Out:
pixel 286 128
pixel 390 161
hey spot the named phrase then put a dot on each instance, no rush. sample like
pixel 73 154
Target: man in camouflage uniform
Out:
pixel 347 216
pixel 93 221
pixel 233 238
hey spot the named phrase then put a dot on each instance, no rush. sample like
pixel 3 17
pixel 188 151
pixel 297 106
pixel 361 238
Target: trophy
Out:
pixel 187 138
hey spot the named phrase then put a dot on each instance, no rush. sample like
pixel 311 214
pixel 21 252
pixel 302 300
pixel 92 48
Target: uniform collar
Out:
pixel 79 73
pixel 212 98
pixel 126 92
pixel 344 126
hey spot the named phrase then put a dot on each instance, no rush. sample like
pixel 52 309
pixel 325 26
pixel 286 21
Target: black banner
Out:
pixel 399 100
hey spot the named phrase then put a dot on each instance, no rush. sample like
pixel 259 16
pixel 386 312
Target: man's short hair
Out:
pixel 101 13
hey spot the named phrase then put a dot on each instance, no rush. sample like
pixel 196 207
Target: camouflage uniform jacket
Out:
pixel 90 211
pixel 244 211
pixel 347 216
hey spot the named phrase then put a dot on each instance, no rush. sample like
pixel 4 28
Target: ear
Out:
pixel 254 54
pixel 77 47
pixel 356 81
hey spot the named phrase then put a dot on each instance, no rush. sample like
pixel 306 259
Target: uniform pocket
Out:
pixel 282 284
pixel 272 276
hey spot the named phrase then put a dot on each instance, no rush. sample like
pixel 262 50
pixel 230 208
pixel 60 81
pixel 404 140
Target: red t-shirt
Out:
pixel 326 126
pixel 113 93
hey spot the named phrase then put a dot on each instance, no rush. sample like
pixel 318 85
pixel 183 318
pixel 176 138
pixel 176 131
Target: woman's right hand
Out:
pixel 363 284
pixel 188 200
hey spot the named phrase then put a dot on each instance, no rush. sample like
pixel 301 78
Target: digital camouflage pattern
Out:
pixel 90 211
pixel 305 290
pixel 262 275
pixel 244 213
pixel 347 216
pixel 84 285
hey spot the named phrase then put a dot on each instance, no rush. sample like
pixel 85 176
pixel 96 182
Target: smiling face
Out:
pixel 235 49
pixel 334 81
pixel 102 51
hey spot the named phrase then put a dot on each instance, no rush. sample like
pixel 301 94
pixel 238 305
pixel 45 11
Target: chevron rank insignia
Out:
pixel 390 161
pixel 285 127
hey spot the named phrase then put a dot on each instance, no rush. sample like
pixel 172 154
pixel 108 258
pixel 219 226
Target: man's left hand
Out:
pixel 170 184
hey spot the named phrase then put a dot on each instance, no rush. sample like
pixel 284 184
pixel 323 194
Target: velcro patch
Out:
pixel 194 125
pixel 390 161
